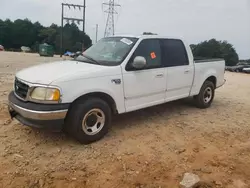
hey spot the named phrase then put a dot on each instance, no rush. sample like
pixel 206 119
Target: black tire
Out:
pixel 200 98
pixel 76 114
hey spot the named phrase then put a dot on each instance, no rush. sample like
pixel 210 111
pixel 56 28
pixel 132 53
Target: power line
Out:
pixel 68 19
pixel 110 23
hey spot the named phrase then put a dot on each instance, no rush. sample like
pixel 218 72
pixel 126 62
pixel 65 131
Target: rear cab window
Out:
pixel 174 53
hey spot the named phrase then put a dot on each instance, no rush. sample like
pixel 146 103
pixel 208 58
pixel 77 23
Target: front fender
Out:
pixel 71 90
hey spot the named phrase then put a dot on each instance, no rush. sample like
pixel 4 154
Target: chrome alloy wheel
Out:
pixel 93 121
pixel 207 95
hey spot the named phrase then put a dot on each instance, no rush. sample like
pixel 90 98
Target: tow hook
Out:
pixel 12 113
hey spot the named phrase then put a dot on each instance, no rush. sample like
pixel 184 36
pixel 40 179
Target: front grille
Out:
pixel 21 89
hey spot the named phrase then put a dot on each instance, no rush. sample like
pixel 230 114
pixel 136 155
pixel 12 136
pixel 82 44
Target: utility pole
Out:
pixel 62 32
pixel 84 14
pixel 110 24
pixel 68 19
pixel 96 36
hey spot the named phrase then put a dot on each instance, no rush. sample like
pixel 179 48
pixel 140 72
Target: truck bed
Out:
pixel 204 68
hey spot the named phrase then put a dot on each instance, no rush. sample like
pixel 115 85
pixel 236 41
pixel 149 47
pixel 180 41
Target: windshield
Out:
pixel 108 51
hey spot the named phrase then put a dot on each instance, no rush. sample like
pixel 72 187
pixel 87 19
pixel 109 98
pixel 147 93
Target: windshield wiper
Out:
pixel 91 59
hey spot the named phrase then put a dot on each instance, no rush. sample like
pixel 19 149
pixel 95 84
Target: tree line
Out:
pixel 20 32
pixel 216 49
pixel 14 35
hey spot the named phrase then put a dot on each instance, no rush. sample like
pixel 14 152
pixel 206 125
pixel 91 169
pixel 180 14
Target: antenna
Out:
pixel 110 24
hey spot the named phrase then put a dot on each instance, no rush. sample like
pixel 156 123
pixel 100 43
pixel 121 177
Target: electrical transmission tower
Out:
pixel 111 11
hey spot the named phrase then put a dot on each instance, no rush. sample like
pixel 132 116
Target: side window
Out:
pixel 150 49
pixel 174 53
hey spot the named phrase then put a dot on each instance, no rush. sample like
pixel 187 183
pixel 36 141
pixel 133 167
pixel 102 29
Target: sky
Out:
pixel 193 20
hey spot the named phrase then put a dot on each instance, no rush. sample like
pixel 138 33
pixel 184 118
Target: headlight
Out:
pixel 47 94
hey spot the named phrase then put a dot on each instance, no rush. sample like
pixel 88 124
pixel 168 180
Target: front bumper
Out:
pixel 47 116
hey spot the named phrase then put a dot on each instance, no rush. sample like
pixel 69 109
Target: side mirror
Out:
pixel 139 62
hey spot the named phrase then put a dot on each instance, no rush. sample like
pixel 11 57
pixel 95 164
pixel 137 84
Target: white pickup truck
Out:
pixel 116 75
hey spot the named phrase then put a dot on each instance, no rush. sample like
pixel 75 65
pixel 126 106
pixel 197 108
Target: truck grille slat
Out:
pixel 21 89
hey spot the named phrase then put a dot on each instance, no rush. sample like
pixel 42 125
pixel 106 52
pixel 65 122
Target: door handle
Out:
pixel 159 76
pixel 186 71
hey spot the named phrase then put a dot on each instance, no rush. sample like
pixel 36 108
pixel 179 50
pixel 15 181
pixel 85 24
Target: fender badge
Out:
pixel 116 81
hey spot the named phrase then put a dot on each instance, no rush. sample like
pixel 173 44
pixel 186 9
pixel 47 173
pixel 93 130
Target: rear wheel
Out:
pixel 88 120
pixel 205 98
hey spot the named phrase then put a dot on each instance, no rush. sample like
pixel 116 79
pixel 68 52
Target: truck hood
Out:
pixel 50 72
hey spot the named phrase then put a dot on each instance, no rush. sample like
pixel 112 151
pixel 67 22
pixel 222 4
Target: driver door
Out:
pixel 145 87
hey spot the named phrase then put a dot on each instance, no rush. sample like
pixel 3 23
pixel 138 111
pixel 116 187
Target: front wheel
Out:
pixel 88 120
pixel 205 98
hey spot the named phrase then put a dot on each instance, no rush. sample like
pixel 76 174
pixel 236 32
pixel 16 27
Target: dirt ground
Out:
pixel 150 148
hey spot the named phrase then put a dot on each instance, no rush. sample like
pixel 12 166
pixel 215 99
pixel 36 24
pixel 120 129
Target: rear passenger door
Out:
pixel 179 70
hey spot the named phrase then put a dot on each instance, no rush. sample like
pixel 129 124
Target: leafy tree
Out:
pixel 6 33
pixel 22 33
pixel 216 49
pixel 47 35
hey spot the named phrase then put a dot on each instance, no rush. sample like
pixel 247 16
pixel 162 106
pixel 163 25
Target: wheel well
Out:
pixel 107 98
pixel 212 79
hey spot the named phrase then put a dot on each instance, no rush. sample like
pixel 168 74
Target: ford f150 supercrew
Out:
pixel 118 74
